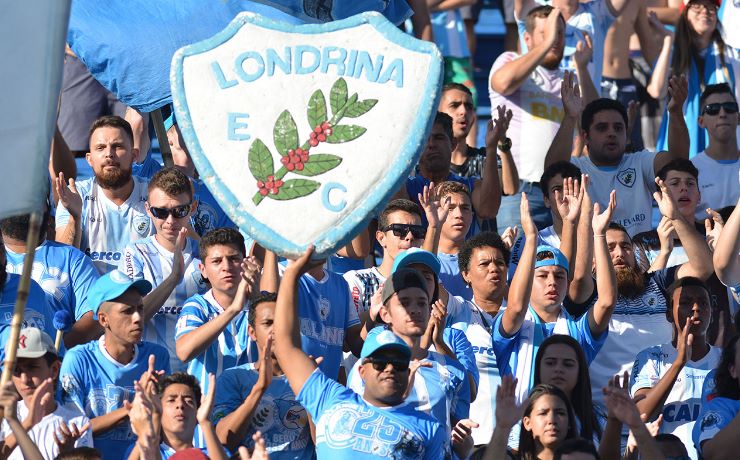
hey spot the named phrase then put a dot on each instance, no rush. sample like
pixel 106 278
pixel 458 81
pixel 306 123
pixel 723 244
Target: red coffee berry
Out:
pixel 313 142
pixel 322 137
pixel 317 129
pixel 299 166
pixel 290 166
pixel 263 191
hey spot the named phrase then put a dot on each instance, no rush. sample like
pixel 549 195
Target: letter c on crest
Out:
pixel 326 198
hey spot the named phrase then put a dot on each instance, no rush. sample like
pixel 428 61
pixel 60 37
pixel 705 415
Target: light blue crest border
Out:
pixel 346 228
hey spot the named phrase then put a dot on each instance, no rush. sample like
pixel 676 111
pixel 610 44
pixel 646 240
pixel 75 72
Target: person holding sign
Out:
pixel 340 413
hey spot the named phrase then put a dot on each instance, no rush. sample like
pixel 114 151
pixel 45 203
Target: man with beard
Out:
pixel 529 85
pixel 106 212
pixel 639 319
pixel 63 272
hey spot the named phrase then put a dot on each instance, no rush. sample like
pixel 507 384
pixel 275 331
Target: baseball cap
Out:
pixel 189 454
pixel 557 260
pixel 402 278
pixel 112 285
pixel 34 343
pixel 380 338
pixel 417 256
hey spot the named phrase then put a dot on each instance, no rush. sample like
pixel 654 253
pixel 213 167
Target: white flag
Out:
pixel 32 37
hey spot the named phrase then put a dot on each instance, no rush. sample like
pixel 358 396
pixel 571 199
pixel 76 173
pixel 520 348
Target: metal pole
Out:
pixel 164 144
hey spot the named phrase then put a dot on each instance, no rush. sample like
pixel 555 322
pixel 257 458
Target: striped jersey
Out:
pixel 147 259
pixel 362 285
pixel 106 227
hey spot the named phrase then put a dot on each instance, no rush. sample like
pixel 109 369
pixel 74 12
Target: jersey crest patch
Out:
pixel 141 225
pixel 627 176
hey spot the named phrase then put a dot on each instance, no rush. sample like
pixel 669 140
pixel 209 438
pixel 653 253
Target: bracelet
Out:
pixel 603 235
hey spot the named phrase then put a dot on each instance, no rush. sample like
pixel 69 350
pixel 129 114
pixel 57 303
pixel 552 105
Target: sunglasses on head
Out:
pixel 401 230
pixel 178 212
pixel 379 364
pixel 713 109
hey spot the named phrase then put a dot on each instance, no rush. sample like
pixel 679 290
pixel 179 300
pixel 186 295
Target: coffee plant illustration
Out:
pixel 300 159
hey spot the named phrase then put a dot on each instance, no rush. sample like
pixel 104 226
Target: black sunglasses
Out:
pixel 178 212
pixel 713 109
pixel 401 230
pixel 379 364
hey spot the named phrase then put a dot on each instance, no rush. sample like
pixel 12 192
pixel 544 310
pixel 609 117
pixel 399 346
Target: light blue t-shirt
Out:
pixel 441 390
pixel 450 277
pixel 347 427
pixel 449 33
pixel 715 415
pixel 149 260
pixel 63 272
pixel 279 417
pixel 98 385
pixel 38 313
pixel 146 168
pixel 325 311
pixel 232 347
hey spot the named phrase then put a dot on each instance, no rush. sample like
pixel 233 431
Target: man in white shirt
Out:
pixel 719 164
pixel 53 427
pixel 101 215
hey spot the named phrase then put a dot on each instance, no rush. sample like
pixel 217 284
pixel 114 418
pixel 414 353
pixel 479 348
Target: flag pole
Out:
pixel 11 348
pixel 164 144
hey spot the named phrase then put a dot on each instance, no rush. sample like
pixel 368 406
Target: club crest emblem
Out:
pixel 301 131
pixel 627 177
pixel 142 224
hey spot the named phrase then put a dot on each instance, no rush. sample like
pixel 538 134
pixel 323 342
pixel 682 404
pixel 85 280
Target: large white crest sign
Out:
pixel 301 132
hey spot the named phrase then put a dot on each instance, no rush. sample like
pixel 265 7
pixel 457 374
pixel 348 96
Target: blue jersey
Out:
pixel 450 276
pixel 442 390
pixel 232 347
pixel 208 215
pixel 147 259
pixel 98 385
pixel 715 415
pixel 106 227
pixel 38 313
pixel 146 168
pixel 165 451
pixel 63 272
pixel 278 416
pixel 347 427
pixel 325 311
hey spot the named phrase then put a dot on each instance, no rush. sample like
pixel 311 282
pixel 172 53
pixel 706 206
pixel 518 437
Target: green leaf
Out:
pixel 345 133
pixel 260 160
pixel 316 109
pixel 319 163
pixel 295 188
pixel 338 95
pixel 285 133
pixel 360 108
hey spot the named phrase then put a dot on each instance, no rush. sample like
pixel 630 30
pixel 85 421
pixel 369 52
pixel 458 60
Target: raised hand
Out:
pixel 66 436
pixel 304 263
pixel 206 402
pixel 584 50
pixel 600 220
pixel 266 369
pixel 68 195
pixel 619 403
pixel 666 201
pixel 375 303
pixel 528 225
pixel 41 396
pixel 178 262
pixel 570 93
pixel 678 91
pixel 568 201
pixel 551 27
pixel 666 232
pixel 149 379
pixel 496 128
pixel 509 236
pixel 684 342
pixel 713 232
pixel 260 450
pixel 9 401
pixel 435 210
pixel 508 412
pixel 251 272
pixel 462 435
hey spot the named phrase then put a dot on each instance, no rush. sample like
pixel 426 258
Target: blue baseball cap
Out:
pixel 381 338
pixel 417 256
pixel 112 285
pixel 557 260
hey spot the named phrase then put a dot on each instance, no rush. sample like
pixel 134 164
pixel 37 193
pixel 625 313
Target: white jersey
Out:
pixel 682 406
pixel 362 286
pixel 634 181
pixel 106 227
pixel 478 325
pixel 729 15
pixel 717 183
pixel 147 259
pixel 42 434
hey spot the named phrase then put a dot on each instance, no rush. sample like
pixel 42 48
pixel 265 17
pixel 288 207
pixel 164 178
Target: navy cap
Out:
pixel 417 256
pixel 557 260
pixel 112 285
pixel 400 279
pixel 381 338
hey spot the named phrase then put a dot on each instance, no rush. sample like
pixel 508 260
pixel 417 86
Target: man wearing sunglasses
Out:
pixel 168 259
pixel 719 164
pixel 342 416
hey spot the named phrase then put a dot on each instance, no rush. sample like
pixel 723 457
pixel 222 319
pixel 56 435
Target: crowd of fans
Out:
pixel 514 300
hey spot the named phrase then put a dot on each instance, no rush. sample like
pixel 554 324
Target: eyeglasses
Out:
pixel 178 212
pixel 713 109
pixel 380 364
pixel 401 230
pixel 697 6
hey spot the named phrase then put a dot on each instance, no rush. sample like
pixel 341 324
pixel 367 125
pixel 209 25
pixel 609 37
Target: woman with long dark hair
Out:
pixel 702 56
pixel 718 427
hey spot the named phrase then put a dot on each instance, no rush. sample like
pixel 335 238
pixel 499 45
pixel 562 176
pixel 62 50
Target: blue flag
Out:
pixel 128 46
